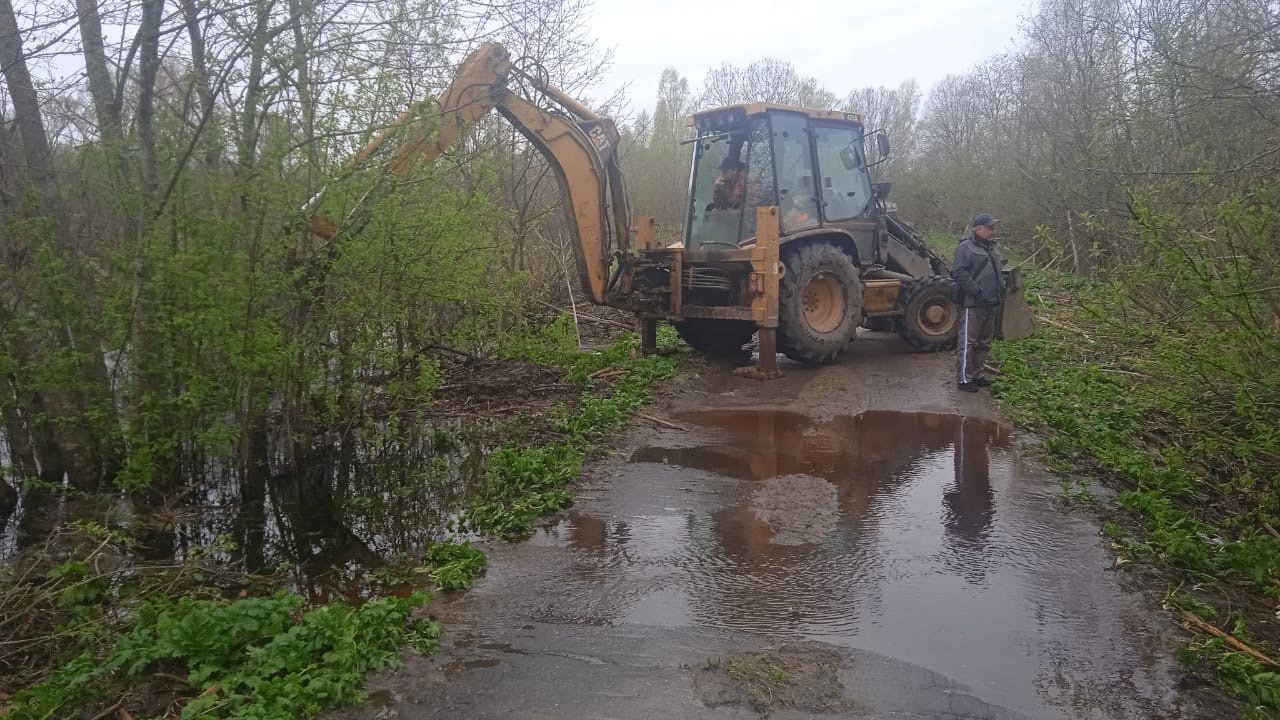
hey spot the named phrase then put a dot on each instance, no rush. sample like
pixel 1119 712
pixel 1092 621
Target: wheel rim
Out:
pixel 823 302
pixel 936 317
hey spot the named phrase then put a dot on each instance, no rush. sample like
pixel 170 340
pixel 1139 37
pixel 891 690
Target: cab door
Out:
pixel 843 183
pixel 793 160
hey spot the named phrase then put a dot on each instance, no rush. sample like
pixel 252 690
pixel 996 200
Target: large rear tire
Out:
pixel 820 304
pixel 930 314
pixel 715 337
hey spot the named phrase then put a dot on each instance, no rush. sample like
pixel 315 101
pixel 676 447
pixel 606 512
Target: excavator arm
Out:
pixel 580 145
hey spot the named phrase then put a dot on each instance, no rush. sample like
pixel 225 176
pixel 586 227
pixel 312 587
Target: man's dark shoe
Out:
pixel 968 387
pixel 981 381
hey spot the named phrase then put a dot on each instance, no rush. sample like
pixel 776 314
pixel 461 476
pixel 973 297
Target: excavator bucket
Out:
pixel 1017 320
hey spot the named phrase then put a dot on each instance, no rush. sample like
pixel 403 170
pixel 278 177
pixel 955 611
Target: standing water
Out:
pixel 921 538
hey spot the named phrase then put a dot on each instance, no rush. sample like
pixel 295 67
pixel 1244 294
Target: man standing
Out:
pixel 978 277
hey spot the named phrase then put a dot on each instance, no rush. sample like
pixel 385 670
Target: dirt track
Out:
pixel 858 540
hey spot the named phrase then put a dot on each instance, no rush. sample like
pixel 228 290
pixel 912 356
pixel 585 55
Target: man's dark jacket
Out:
pixel 977 272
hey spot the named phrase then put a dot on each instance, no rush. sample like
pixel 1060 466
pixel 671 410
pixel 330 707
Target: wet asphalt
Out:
pixel 892 540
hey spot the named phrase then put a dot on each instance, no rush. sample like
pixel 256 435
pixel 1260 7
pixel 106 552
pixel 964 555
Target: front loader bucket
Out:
pixel 1017 320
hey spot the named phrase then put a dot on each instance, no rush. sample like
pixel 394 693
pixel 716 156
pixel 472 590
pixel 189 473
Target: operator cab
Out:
pixel 809 163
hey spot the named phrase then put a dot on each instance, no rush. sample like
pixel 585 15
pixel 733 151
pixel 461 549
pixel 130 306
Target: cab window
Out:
pixel 725 217
pixel 845 187
pixel 793 156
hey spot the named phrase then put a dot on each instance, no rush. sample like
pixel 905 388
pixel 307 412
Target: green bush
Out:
pixel 528 482
pixel 260 658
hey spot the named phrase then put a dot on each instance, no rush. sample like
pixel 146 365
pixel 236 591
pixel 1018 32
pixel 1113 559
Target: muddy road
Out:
pixel 858 540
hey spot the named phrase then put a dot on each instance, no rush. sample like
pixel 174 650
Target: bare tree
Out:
pixel 768 80
pixel 893 110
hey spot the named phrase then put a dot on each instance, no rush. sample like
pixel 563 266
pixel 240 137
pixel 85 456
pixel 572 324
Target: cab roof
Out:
pixel 734 114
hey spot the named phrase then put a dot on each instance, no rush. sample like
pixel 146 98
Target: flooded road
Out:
pixel 849 541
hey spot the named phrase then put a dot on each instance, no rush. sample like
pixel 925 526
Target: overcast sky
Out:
pixel 846 44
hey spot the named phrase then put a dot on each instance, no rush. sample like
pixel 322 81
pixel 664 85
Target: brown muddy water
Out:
pixel 921 537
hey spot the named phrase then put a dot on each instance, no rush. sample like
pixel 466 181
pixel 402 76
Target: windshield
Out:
pixel 732 176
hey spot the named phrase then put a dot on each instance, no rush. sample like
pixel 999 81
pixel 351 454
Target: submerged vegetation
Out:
pixel 208 640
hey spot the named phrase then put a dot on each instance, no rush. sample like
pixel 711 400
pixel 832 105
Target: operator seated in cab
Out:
pixel 730 187
pixel 737 186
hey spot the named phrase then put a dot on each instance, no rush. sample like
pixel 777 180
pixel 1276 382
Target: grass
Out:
pixel 526 482
pixel 1108 408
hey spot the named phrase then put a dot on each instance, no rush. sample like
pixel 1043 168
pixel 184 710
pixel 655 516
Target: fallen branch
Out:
pixel 660 421
pixel 1230 640
pixel 592 318
pixel 1271 530
pixel 552 386
pixel 1124 372
pixel 1064 326
pixel 606 373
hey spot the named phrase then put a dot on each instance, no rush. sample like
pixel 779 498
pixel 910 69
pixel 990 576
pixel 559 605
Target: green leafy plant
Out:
pixel 1166 416
pixel 263 658
pixel 455 564
pixel 526 483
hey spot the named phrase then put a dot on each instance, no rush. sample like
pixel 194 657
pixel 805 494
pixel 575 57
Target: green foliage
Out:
pixel 455 564
pixel 252 658
pixel 554 344
pixel 1247 679
pixel 217 321
pixel 79 591
pixel 1180 414
pixel 1200 609
pixel 526 483
pixel 669 340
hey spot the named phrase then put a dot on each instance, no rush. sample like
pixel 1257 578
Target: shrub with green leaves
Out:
pixel 1173 413
pixel 528 482
pixel 259 658
pixel 455 564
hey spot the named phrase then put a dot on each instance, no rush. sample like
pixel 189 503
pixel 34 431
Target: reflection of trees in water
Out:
pixel 349 500
pixel 750 575
pixel 314 525
pixel 356 501
pixel 8 504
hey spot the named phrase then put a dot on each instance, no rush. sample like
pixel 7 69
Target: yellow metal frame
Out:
pixel 766 277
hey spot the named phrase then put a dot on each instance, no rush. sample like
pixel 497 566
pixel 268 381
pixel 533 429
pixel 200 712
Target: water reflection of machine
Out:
pixel 864 463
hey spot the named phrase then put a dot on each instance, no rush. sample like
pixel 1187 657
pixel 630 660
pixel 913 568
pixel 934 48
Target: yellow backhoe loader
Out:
pixel 797 245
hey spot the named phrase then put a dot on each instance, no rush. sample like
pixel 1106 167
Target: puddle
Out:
pixel 919 536
pixel 356 505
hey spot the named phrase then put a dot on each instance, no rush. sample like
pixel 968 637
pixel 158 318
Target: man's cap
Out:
pixel 984 219
pixel 732 164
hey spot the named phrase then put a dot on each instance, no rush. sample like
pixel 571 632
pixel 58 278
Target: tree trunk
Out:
pixel 22 454
pixel 67 408
pixel 149 34
pixel 26 112
pixel 101 86
pixel 8 502
pixel 199 64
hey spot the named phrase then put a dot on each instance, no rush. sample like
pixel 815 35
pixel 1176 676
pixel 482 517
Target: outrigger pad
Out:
pixel 1017 319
